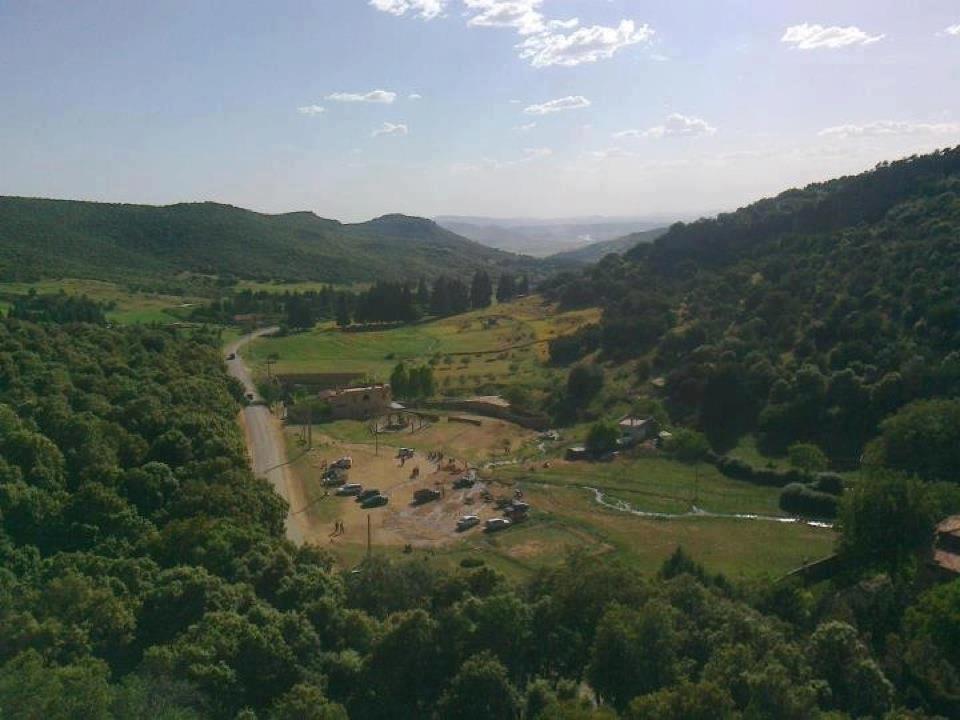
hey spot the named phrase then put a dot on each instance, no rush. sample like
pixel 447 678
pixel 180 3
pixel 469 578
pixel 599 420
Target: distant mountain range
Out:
pixel 597 251
pixel 63 238
pixel 543 238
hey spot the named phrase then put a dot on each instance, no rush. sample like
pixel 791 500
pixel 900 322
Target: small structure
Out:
pixel 635 429
pixel 946 549
pixel 577 452
pixel 359 403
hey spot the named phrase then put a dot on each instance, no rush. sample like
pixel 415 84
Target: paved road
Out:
pixel 264 435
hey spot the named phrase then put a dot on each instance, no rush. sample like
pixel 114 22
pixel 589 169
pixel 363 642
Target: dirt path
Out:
pixel 265 442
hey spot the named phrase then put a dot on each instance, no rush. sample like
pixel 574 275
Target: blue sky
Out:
pixel 554 108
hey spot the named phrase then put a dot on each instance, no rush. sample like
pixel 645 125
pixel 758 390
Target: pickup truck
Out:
pixel 495 524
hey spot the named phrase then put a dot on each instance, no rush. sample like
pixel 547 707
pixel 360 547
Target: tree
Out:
pixel 31 688
pixel 602 438
pixel 685 701
pixel 807 457
pixel 887 519
pixel 923 438
pixel 481 290
pixel 506 287
pixel 299 313
pixel 343 311
pixel 481 690
pixel 635 652
pixel 400 380
pixel 856 682
pixel 687 446
pixel 306 702
pixel 583 384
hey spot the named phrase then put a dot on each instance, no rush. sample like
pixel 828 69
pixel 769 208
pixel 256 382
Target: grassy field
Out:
pixel 566 515
pixel 129 307
pixel 295 287
pixel 467 350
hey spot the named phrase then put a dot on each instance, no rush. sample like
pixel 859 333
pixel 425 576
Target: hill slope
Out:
pixel 60 238
pixel 598 250
pixel 545 238
pixel 810 316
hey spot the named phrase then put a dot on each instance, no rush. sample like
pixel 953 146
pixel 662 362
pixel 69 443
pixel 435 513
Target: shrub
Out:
pixel 803 500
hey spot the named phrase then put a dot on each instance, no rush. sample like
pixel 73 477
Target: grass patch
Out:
pixel 129 307
pixel 492 336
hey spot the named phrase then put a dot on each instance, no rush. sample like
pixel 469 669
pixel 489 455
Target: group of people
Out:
pixel 338 529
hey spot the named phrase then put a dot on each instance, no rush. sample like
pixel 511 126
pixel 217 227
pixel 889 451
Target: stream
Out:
pixel 619 505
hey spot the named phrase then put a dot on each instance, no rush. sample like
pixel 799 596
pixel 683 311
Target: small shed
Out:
pixel 636 429
pixel 577 452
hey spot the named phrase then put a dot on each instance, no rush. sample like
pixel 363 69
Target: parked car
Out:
pixel 519 506
pixel 425 495
pixel 375 501
pixel 467 522
pixel 332 478
pixel 367 494
pixel 344 463
pixel 405 453
pixel 232 356
pixel 350 489
pixel 464 481
pixel 495 524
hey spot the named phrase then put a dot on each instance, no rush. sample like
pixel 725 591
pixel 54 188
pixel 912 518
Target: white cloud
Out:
pixel 953 30
pixel 583 45
pixel 426 9
pixel 676 125
pixel 812 37
pixel 390 129
pixel 311 110
pixel 571 102
pixel 521 15
pixel 525 128
pixel 374 96
pixel 888 128
pixel 414 96
pixel 554 42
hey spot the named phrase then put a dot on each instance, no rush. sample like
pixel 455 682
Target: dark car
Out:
pixel 374 502
pixel 367 494
pixel 463 482
pixel 425 495
pixel 333 478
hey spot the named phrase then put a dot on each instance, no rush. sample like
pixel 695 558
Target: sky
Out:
pixel 536 108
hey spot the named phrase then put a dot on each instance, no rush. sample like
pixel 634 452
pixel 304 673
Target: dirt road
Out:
pixel 265 444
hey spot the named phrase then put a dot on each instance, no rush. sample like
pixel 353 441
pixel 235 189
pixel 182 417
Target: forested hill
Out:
pixel 826 207
pixel 808 317
pixel 598 250
pixel 63 238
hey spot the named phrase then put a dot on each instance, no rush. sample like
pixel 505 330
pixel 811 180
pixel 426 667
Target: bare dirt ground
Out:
pixel 402 523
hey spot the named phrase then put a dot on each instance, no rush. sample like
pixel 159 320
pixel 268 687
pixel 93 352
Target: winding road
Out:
pixel 264 435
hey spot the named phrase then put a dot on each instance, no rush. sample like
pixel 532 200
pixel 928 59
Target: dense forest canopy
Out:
pixel 63 238
pixel 811 316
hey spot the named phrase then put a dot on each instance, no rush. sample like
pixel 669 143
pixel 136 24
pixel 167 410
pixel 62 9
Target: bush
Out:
pixel 828 482
pixel 602 438
pixel 803 500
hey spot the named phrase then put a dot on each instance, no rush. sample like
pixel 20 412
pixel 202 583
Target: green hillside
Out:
pixel 811 316
pixel 597 251
pixel 61 238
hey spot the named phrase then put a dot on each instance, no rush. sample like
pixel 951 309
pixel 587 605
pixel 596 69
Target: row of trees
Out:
pixel 412 383
pixel 383 302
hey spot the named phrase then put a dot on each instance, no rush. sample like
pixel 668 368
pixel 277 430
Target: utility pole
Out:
pixel 368 536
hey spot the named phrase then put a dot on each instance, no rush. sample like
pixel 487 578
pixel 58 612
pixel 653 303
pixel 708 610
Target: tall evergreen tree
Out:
pixel 481 290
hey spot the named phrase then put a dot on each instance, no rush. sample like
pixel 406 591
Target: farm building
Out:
pixel 359 403
pixel 635 429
